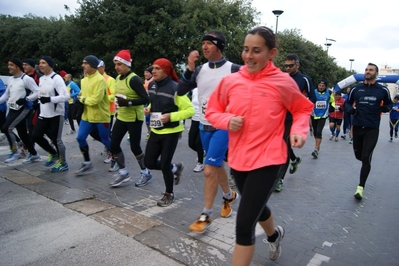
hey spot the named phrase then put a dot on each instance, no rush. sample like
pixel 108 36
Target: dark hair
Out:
pixel 396 97
pixel 292 56
pixel 218 34
pixel 267 34
pixel 371 64
pixel 148 69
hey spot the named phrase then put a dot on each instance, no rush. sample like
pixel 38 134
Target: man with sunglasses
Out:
pixel 291 65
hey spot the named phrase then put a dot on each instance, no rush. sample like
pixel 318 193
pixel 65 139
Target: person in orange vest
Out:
pixel 111 97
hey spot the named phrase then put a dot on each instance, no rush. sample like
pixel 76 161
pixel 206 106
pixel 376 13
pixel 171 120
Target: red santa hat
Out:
pixel 123 56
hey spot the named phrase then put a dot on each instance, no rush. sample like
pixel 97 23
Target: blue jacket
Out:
pixel 3 106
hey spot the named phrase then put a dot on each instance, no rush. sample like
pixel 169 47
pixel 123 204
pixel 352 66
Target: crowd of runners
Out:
pixel 251 116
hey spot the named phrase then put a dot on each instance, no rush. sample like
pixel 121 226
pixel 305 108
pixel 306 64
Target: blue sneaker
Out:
pixel 143 179
pixel 59 167
pixel 52 158
pixel 12 157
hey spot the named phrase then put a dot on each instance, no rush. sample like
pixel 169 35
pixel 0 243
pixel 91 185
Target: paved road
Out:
pixel 324 224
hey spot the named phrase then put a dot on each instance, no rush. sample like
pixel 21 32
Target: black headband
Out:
pixel 216 41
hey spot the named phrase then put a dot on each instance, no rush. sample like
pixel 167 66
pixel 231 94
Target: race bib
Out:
pixel 204 103
pixel 155 120
pixel 43 94
pixel 321 104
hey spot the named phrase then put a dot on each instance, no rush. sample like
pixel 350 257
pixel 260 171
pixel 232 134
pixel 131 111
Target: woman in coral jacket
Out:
pixel 251 104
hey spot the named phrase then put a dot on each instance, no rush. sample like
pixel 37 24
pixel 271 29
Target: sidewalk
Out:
pixel 38 231
pixel 324 224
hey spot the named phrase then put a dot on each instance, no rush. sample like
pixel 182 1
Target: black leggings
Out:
pixel 118 133
pixel 163 145
pixel 255 188
pixel 194 140
pixel 291 154
pixel 318 125
pixel 364 142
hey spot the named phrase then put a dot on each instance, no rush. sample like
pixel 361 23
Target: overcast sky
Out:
pixel 367 31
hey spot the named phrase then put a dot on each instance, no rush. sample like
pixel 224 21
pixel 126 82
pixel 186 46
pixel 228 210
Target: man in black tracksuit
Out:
pixel 370 99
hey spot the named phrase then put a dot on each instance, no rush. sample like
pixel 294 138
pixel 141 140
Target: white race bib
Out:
pixel 155 120
pixel 321 105
pixel 43 94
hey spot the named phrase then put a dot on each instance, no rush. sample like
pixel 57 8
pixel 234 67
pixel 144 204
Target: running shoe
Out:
pixel 294 165
pixel 31 159
pixel 390 140
pixel 315 154
pixel 166 200
pixel 359 193
pixel 121 178
pixel 12 157
pixel 227 205
pixel 351 141
pixel 331 137
pixel 59 167
pixel 198 168
pixel 279 186
pixel 52 159
pixel 109 158
pixel 202 222
pixel 274 247
pixel 114 166
pixel 143 179
pixel 343 136
pixel 336 139
pixel 84 169
pixel 178 174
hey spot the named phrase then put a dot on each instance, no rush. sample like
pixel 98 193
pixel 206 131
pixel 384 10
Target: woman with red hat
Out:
pixel 167 111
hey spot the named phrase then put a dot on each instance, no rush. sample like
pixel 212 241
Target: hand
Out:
pixel 21 101
pixel 44 99
pixel 146 110
pixel 192 58
pixel 236 123
pixel 122 102
pixel 297 141
pixel 165 118
pixel 353 111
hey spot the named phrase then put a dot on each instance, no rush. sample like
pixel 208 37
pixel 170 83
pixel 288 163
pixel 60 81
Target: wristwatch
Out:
pixel 129 103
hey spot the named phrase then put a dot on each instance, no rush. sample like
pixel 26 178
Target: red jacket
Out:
pixel 263 99
pixel 339 103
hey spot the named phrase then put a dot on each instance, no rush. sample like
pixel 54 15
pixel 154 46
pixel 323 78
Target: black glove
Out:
pixel 384 109
pixel 340 108
pixel 122 102
pixel 353 111
pixel 44 99
pixel 331 108
pixel 21 101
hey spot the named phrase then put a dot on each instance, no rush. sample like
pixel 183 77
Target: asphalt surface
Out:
pixel 60 219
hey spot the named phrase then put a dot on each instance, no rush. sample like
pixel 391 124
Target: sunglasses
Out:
pixel 289 66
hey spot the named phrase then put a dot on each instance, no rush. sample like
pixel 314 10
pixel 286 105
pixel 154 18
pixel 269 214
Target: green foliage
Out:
pixel 150 29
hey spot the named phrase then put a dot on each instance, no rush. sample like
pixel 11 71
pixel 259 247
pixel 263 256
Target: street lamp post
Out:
pixel 277 13
pixel 328 44
pixel 351 60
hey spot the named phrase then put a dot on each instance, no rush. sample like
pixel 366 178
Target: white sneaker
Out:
pixel 31 159
pixel 108 159
pixel 12 157
pixel 198 168
pixel 331 137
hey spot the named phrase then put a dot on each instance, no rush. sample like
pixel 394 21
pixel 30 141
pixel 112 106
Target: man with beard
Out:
pixel 370 99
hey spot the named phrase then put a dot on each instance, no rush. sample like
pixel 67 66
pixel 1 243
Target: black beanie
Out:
pixel 92 61
pixel 17 62
pixel 30 62
pixel 149 69
pixel 49 60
